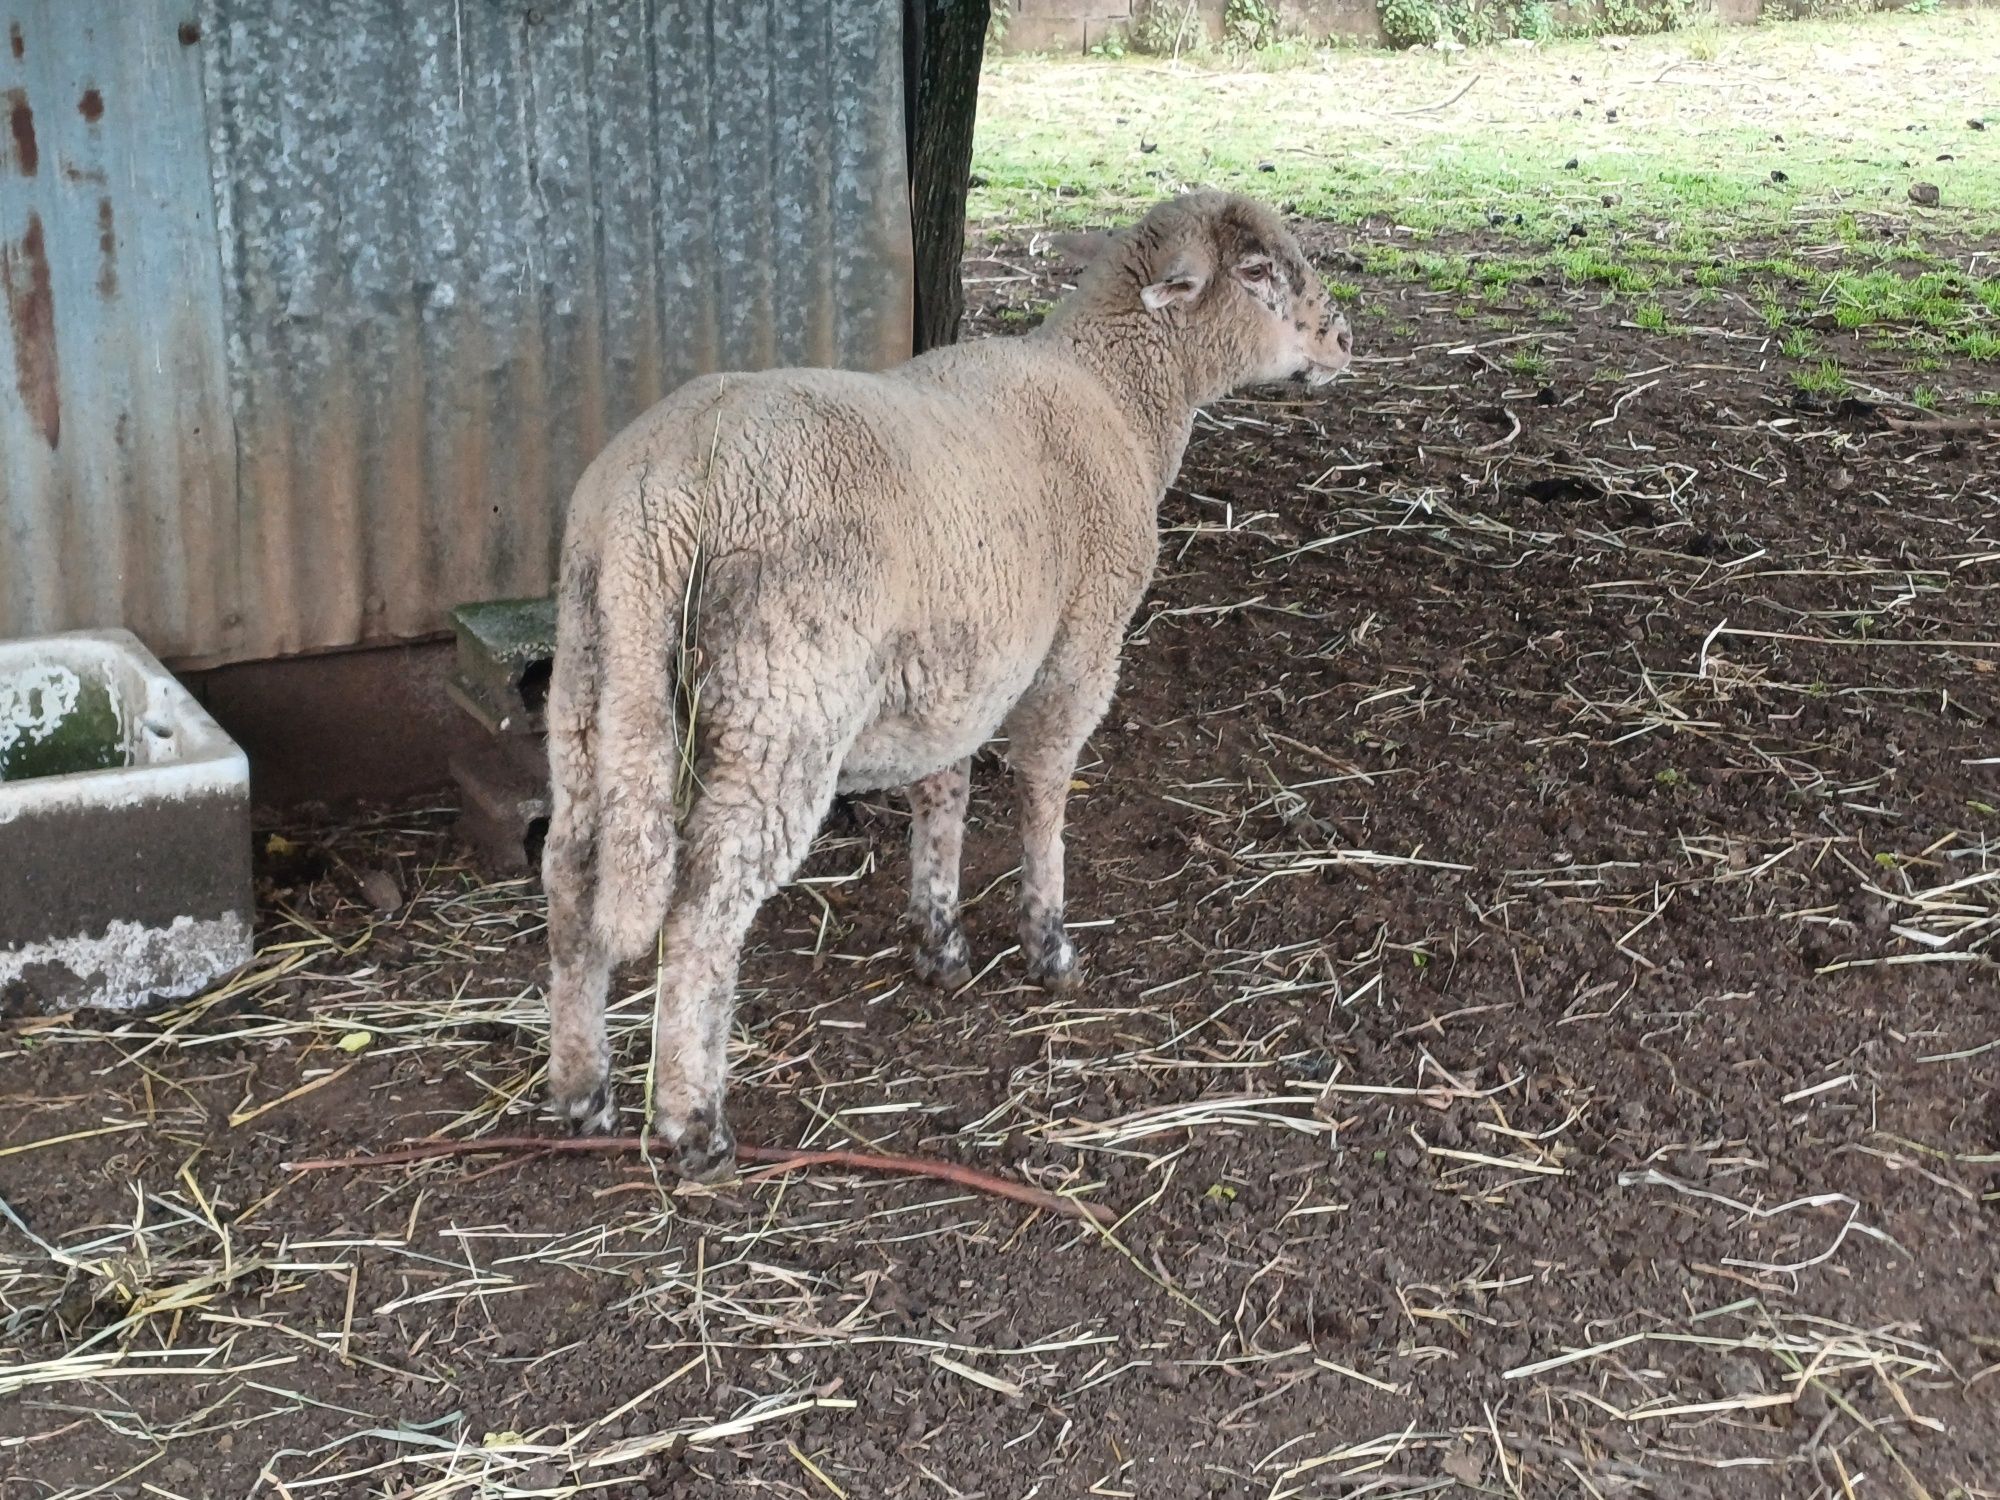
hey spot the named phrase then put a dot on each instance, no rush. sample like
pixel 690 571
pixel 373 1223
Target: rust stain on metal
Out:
pixel 14 41
pixel 190 33
pixel 107 250
pixel 31 309
pixel 118 489
pixel 21 120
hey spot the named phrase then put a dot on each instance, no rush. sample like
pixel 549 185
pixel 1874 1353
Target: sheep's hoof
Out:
pixel 1051 958
pixel 947 964
pixel 588 1113
pixel 707 1151
pixel 1057 981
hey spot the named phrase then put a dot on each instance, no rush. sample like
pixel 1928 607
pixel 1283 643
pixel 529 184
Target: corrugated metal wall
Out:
pixel 318 311
pixel 118 495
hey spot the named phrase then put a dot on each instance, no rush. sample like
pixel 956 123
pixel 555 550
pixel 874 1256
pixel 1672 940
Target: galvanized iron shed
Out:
pixel 316 309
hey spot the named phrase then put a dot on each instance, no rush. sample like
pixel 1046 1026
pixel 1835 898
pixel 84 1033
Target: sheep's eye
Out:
pixel 1256 271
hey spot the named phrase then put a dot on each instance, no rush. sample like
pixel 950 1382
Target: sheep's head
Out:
pixel 1226 268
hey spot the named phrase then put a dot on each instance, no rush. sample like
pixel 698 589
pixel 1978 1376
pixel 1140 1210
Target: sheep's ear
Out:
pixel 1182 282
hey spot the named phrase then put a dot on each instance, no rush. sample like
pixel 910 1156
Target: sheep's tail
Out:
pixel 615 747
pixel 648 571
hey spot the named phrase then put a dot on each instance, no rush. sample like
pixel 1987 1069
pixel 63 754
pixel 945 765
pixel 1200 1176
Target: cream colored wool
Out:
pixel 869 576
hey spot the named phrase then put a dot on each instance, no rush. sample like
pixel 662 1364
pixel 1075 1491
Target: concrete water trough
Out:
pixel 124 830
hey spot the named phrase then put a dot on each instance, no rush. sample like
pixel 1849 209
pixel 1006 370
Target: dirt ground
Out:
pixel 1539 883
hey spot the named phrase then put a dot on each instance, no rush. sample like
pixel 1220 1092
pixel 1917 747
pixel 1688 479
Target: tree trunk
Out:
pixel 943 43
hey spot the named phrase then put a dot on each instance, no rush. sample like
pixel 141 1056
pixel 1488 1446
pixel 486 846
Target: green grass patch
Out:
pixel 1445 273
pixel 1931 299
pixel 1783 269
pixel 1982 344
pixel 1825 378
pixel 1501 275
pixel 1351 135
pixel 1386 260
pixel 1799 343
pixel 1592 267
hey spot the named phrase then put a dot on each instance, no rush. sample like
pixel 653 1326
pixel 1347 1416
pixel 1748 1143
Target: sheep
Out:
pixel 781 586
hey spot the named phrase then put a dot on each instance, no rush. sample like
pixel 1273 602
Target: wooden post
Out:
pixel 944 42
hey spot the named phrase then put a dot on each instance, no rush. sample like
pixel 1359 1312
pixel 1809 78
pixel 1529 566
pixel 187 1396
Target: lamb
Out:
pixel 779 586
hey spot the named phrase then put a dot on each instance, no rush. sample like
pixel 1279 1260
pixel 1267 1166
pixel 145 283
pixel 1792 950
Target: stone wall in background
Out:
pixel 1060 25
pixel 1079 25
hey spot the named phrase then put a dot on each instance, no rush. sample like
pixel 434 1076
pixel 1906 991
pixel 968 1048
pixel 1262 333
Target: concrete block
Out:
pixel 375 725
pixel 506 650
pixel 124 830
pixel 503 787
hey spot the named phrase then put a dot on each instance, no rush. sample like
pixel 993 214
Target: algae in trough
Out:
pixel 55 721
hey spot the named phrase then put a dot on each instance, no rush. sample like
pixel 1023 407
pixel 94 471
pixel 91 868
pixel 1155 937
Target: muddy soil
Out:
pixel 1539 883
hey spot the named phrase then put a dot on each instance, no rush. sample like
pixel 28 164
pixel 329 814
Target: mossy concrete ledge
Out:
pixel 124 830
pixel 506 650
pixel 506 653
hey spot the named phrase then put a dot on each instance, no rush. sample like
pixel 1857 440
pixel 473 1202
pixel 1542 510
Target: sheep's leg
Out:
pixel 579 965
pixel 1045 734
pixel 744 838
pixel 579 1051
pixel 937 839
pixel 1045 944
pixel 691 1029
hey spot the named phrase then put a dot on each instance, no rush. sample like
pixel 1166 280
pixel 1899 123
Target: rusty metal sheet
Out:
pixel 117 467
pixel 444 249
